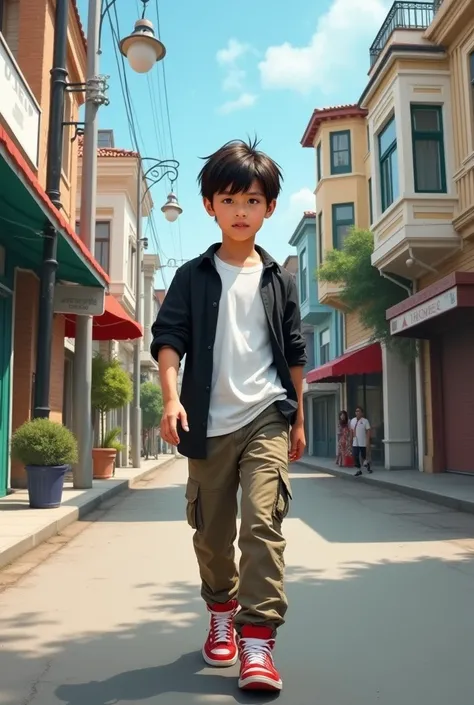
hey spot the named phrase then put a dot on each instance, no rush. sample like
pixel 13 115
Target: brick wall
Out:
pixel 24 360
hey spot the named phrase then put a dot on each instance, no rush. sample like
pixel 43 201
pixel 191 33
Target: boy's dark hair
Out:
pixel 235 166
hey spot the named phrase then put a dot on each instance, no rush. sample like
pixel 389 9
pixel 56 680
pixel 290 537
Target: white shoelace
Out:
pixel 221 623
pixel 256 651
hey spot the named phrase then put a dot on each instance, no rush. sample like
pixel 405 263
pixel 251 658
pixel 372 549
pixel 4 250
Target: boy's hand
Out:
pixel 297 442
pixel 173 411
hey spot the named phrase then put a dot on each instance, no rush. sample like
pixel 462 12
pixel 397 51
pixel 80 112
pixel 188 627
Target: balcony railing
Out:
pixel 437 4
pixel 402 15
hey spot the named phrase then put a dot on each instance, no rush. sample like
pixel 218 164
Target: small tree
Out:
pixel 111 387
pixel 151 401
pixel 364 289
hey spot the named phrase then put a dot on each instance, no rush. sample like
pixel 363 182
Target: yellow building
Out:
pixel 339 138
pixel 419 107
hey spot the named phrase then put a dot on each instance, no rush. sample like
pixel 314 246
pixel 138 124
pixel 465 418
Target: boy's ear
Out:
pixel 208 206
pixel 271 208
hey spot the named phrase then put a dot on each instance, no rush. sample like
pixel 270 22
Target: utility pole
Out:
pixel 53 186
pixel 82 417
pixel 136 408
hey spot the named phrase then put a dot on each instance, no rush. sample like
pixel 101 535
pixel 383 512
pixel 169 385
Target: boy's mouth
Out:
pixel 240 225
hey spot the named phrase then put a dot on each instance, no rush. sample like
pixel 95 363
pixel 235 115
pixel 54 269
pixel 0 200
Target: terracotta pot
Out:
pixel 104 461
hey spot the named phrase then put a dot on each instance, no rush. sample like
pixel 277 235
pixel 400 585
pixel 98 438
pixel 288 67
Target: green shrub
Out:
pixel 44 442
pixel 111 439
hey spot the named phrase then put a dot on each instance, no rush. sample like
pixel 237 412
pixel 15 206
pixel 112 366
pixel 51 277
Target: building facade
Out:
pixel 339 139
pixel 323 332
pixel 116 249
pixel 26 58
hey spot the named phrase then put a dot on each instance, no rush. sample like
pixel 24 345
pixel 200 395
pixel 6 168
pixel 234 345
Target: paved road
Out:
pixel 381 610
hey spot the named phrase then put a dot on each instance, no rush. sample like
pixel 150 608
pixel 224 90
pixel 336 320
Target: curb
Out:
pixel 460 505
pixel 56 526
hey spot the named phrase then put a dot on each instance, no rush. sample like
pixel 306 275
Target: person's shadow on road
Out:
pixel 181 676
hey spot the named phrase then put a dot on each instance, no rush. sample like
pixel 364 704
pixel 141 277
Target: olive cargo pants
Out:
pixel 255 456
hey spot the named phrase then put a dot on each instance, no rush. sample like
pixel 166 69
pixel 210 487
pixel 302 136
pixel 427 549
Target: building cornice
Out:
pixel 450 21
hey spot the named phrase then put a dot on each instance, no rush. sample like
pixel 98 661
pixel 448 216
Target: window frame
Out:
pixel 319 172
pixel 304 288
pixel 417 135
pixel 338 170
pixel 383 158
pixel 108 223
pixel 320 239
pixel 336 223
pixel 326 347
pixel 371 202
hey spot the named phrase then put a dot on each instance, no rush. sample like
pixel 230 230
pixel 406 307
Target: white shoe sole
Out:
pixel 219 664
pixel 259 683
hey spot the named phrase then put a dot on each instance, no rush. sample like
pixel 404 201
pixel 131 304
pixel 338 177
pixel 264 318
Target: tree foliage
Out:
pixel 151 400
pixel 364 289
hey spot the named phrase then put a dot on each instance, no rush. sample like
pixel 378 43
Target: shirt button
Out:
pixel 209 347
pixel 214 304
pixel 208 388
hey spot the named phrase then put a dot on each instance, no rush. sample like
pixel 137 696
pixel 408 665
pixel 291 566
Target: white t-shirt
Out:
pixel 360 428
pixel 245 381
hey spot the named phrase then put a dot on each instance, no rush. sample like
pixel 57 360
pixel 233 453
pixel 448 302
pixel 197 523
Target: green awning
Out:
pixel 25 210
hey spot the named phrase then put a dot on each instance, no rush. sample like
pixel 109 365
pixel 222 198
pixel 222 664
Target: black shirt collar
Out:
pixel 208 256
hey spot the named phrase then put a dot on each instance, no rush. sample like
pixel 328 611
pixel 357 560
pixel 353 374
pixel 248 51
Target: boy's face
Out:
pixel 241 215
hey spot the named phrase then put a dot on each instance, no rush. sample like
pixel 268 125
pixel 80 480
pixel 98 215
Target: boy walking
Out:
pixel 234 313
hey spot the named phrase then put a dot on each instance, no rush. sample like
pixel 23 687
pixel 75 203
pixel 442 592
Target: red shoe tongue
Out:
pixel 251 632
pixel 226 607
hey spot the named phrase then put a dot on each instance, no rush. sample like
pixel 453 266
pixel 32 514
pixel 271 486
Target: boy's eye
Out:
pixel 253 201
pixel 227 200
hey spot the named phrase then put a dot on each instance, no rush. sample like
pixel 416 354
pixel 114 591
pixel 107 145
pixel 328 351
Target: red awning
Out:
pixel 114 324
pixel 364 361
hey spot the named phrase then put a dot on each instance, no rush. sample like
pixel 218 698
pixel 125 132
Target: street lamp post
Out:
pixel 143 50
pixel 157 171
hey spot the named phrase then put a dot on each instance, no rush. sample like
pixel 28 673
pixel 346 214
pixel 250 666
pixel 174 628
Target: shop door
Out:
pixel 5 358
pixel 324 426
pixel 458 399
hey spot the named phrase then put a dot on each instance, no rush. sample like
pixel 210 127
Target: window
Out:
pixel 388 165
pixel 428 149
pixel 341 152
pixel 371 204
pixel 105 139
pixel 319 173
pixel 303 268
pixel 342 221
pixel 67 144
pixel 320 239
pixel 102 244
pixel 324 344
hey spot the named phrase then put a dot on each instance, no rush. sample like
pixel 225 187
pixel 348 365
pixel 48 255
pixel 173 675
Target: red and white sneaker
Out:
pixel 257 670
pixel 220 648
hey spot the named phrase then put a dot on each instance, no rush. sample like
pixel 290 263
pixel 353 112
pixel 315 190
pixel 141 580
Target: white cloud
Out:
pixel 233 51
pixel 235 79
pixel 336 50
pixel 302 200
pixel 245 100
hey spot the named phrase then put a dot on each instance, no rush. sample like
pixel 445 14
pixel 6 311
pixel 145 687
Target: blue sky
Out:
pixel 234 70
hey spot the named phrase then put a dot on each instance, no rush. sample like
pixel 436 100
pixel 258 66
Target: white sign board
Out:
pixel 79 300
pixel 18 106
pixel 424 312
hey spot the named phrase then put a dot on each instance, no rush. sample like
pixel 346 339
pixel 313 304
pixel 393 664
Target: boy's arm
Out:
pixel 172 327
pixel 295 345
pixel 297 376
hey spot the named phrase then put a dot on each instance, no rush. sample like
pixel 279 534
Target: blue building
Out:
pixel 323 328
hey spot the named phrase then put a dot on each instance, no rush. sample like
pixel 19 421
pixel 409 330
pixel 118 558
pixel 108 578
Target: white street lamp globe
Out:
pixel 141 48
pixel 172 209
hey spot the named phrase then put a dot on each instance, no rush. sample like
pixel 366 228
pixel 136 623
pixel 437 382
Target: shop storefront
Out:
pixel 359 372
pixel 443 315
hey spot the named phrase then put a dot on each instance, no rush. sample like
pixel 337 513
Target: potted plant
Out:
pixel 111 389
pixel 47 449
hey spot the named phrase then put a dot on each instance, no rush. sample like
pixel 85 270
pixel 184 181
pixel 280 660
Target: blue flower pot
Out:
pixel 45 485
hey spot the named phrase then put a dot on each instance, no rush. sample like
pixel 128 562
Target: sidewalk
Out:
pixel 22 528
pixel 447 489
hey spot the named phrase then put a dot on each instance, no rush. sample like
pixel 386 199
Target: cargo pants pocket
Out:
pixel 193 509
pixel 284 496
